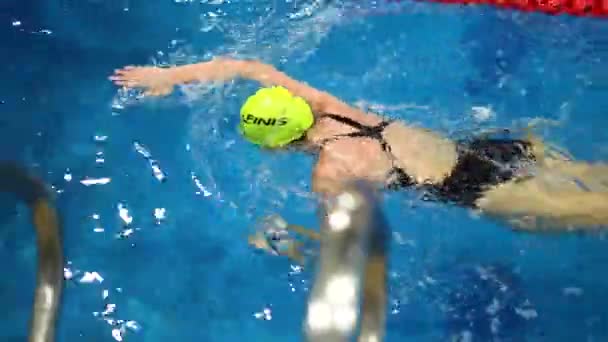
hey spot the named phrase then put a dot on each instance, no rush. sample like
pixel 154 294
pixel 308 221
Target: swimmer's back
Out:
pixel 423 155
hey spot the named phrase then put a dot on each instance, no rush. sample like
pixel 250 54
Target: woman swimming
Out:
pixel 512 179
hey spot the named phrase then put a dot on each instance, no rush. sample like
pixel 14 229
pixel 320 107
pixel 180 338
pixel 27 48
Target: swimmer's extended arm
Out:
pixel 160 81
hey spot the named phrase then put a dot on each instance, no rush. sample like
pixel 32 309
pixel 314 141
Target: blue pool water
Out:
pixel 190 276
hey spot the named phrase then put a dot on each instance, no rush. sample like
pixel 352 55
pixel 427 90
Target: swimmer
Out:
pixel 518 180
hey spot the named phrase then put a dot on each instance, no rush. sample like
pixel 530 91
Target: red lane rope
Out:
pixel 589 8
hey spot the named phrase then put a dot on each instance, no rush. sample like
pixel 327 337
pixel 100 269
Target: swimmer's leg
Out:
pixel 591 176
pixel 295 247
pixel 294 253
pixel 306 232
pixel 562 195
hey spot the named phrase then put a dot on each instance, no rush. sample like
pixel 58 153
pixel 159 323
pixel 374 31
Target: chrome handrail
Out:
pixel 49 277
pixel 349 291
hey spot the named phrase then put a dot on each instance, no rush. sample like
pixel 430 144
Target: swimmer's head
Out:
pixel 273 117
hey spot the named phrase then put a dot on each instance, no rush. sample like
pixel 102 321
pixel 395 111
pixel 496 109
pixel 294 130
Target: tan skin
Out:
pixel 294 252
pixel 551 200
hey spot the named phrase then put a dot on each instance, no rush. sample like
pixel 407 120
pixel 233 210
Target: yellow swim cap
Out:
pixel 273 117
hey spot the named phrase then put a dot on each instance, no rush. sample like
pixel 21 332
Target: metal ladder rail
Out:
pixel 49 276
pixel 349 291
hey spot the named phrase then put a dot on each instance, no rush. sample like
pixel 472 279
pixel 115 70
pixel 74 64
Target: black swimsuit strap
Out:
pixel 363 131
pixel 344 120
pixel 399 177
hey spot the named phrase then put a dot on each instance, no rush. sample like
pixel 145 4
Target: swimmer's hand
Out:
pixel 153 80
pixel 161 81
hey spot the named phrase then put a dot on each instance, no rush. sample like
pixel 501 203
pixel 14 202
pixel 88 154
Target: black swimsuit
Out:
pixel 481 163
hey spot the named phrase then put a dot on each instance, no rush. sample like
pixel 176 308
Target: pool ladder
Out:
pixel 349 291
pixel 49 278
